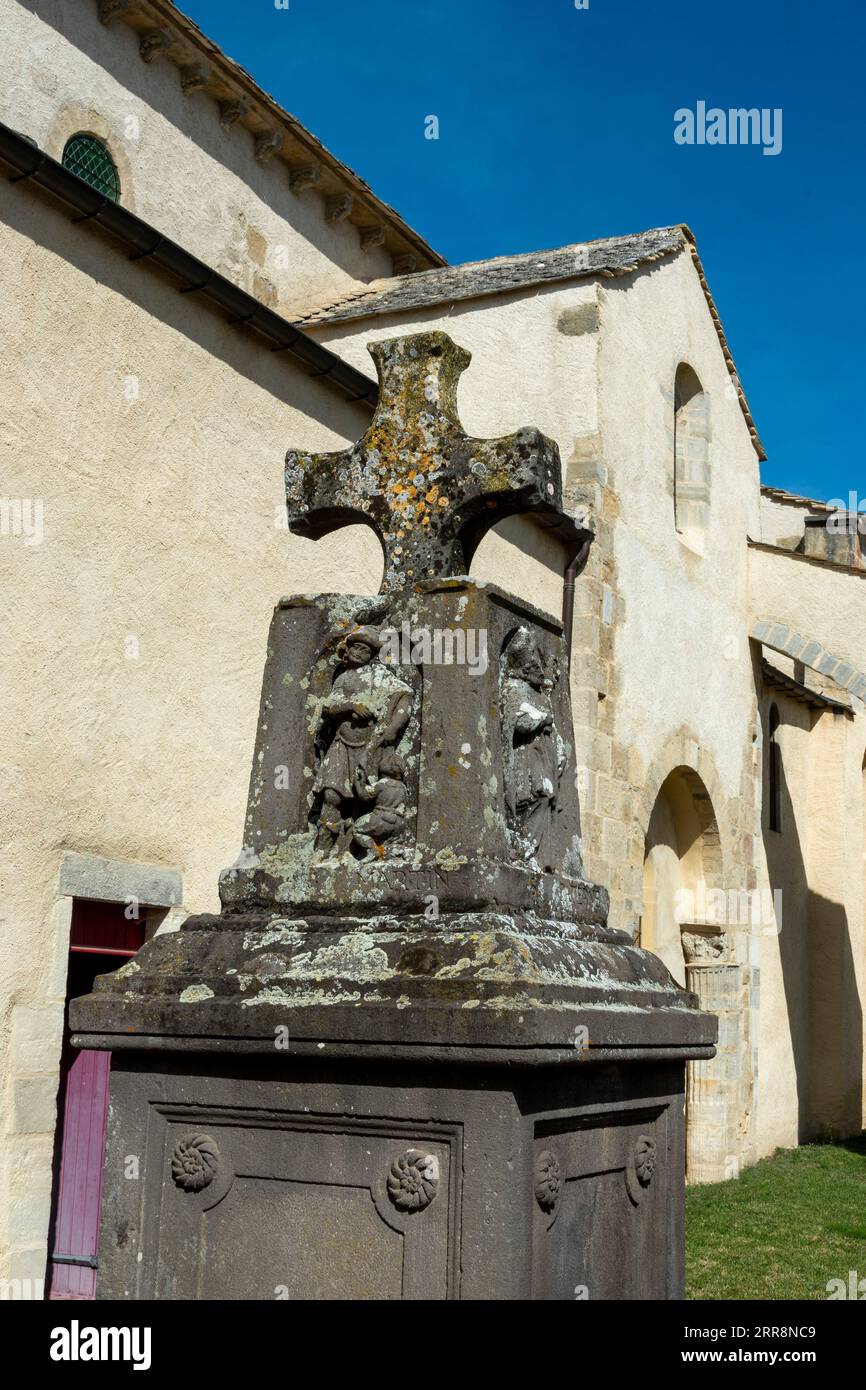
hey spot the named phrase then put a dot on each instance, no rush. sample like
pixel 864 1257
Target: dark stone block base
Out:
pixel 313 1179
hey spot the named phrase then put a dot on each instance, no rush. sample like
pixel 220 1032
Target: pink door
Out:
pixel 101 940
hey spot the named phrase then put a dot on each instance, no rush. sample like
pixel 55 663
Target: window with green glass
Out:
pixel 87 157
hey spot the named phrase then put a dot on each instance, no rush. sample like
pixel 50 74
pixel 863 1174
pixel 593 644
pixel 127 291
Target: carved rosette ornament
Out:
pixel 413 1180
pixel 547 1180
pixel 194 1162
pixel 645 1159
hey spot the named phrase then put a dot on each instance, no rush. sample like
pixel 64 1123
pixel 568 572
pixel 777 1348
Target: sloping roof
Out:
pixel 803 693
pixel 779 494
pixel 608 256
pixel 165 32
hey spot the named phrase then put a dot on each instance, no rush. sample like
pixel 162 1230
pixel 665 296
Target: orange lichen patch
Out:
pixel 433 493
pixel 443 502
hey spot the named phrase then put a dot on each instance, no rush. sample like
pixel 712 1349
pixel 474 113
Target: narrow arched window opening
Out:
pixel 691 453
pixel 91 160
pixel 774 772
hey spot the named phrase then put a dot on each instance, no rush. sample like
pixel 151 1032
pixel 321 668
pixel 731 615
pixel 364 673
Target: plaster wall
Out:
pixel 148 437
pixel 811 1068
pixel 782 1080
pixel 815 600
pixel 782 523
pixel 65 72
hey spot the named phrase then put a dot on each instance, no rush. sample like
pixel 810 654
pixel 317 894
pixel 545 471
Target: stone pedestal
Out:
pixel 318 1178
pixel 409 1059
pixel 436 1073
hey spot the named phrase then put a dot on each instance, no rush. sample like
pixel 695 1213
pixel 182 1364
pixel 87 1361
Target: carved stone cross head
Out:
pixel 428 490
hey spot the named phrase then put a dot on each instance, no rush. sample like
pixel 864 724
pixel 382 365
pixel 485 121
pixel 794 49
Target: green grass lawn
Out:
pixel 782 1229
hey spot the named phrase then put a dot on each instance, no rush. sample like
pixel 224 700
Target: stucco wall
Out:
pixel 679 608
pixel 782 1081
pixel 199 184
pixel 152 436
pixel 812 599
pixel 812 976
pixel 781 522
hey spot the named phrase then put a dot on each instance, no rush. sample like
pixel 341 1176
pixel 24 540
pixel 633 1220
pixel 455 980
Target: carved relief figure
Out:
pixel 699 946
pixel 388 793
pixel 364 714
pixel 535 754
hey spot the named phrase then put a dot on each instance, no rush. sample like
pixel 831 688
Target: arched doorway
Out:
pixel 682 868
pixel 684 922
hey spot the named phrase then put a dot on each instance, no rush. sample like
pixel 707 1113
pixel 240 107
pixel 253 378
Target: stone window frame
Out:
pixel 73 119
pixel 692 470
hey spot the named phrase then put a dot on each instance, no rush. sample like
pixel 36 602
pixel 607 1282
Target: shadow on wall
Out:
pixel 825 1018
pixel 43 222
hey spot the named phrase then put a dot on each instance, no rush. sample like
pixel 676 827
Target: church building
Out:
pixel 191 285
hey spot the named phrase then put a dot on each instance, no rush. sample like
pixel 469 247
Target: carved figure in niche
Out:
pixel 388 794
pixel 699 945
pixel 535 753
pixel 365 713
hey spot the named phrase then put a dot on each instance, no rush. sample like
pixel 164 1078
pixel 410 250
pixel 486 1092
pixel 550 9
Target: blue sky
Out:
pixel 556 125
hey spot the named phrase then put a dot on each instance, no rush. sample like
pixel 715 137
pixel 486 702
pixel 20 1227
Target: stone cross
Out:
pixel 428 490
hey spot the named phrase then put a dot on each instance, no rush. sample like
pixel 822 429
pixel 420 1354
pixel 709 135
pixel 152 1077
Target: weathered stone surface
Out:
pixel 607 256
pixel 428 490
pixel 299 1206
pixel 461 837
pixel 437 1023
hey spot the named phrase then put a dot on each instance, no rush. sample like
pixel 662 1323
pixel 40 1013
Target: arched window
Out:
pixel 89 158
pixel 774 772
pixel 691 453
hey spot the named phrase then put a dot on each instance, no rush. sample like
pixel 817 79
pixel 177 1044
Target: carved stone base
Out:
pixel 318 1179
pixel 468 986
pixel 484 1107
